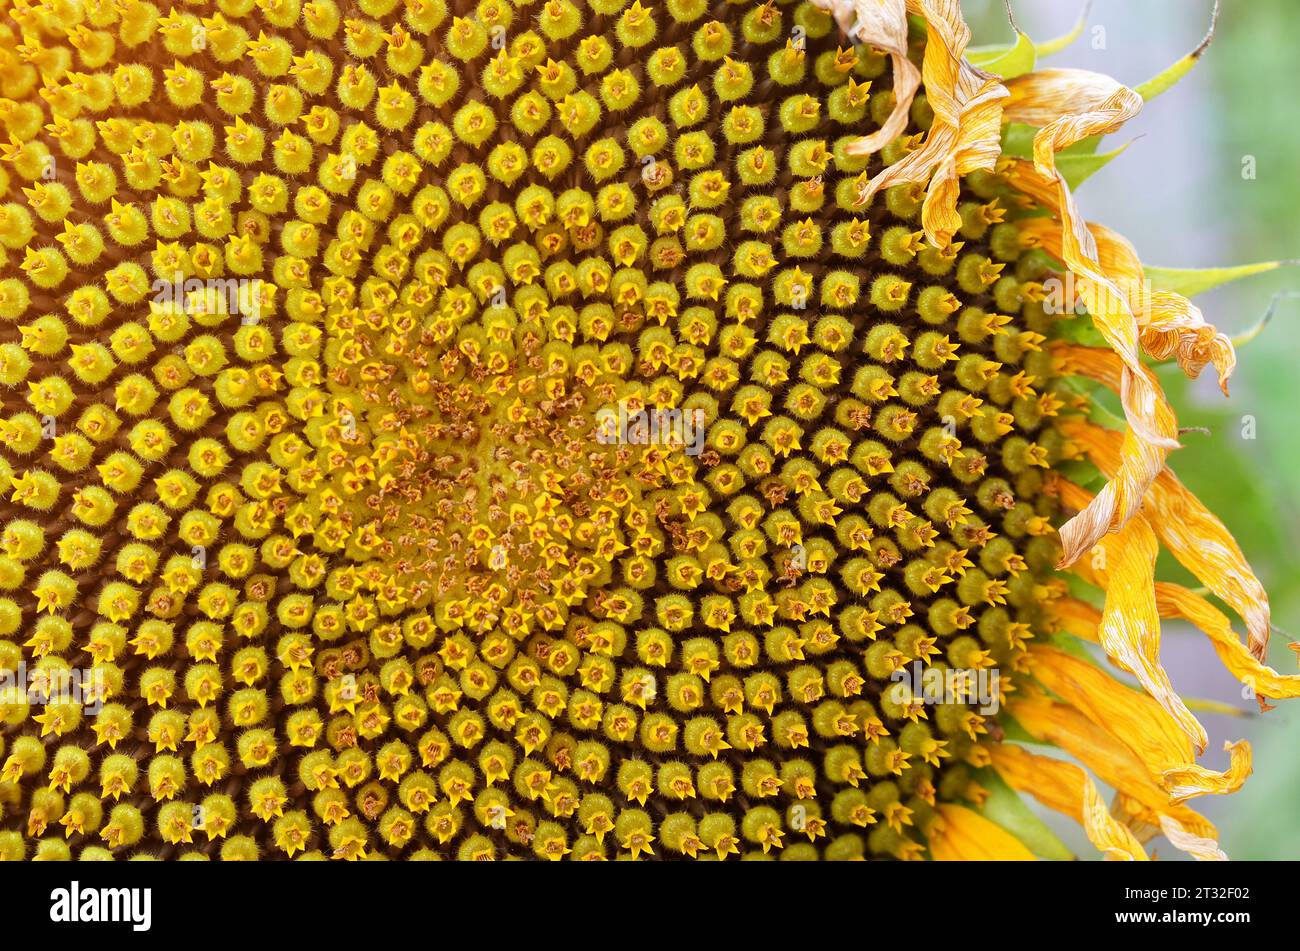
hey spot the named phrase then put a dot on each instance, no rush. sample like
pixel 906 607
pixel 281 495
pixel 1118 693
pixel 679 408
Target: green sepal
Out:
pixel 1100 414
pixel 1201 705
pixel 1081 330
pixel 1083 147
pixel 1069 644
pixel 1006 61
pixel 1018 142
pixel 1079 167
pixel 1005 808
pixel 1053 46
pixel 1167 79
pixel 1190 281
pixel 1083 473
pixel 990 58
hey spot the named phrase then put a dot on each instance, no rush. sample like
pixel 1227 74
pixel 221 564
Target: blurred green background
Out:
pixel 1179 194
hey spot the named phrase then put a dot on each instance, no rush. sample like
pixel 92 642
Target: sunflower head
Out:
pixel 581 429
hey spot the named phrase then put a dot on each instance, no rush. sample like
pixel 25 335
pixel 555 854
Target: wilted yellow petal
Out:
pixel 1176 601
pixel 1114 252
pixel 1191 780
pixel 1106 756
pixel 1072 105
pixel 1190 531
pixel 1160 739
pixel 1201 847
pixel 1169 325
pixel 1202 543
pixel 1175 328
pixel 1067 789
pixel 1146 823
pixel 962 835
pixel 1124 566
pixel 1076 617
pixel 1046 95
pixel 1139 463
pixel 978 147
pixel 1137 818
pixel 883 25
pixel 1111 761
pixel 966 132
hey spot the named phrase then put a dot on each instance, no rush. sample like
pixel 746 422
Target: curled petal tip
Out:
pixel 1209 34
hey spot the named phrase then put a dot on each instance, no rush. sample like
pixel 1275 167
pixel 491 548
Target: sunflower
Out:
pixel 585 429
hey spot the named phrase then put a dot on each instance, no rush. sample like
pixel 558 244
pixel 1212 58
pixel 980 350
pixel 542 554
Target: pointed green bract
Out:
pixel 1018 142
pixel 1190 281
pixel 990 57
pixel 1069 644
pixel 1005 808
pixel 1246 336
pixel 1007 61
pixel 1201 705
pixel 1100 414
pixel 1085 474
pixel 1053 46
pixel 1080 329
pixel 1166 80
pixel 1078 168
